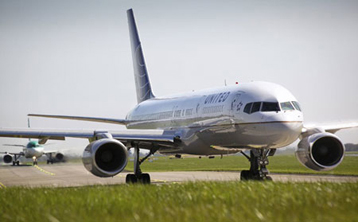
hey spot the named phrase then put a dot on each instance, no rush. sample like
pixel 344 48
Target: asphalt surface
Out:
pixel 74 174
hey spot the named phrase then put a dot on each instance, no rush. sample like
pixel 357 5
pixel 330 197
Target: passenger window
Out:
pixel 269 107
pixel 256 107
pixel 296 105
pixel 286 106
pixel 247 108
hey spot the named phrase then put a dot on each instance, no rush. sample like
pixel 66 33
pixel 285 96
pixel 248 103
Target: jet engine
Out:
pixel 59 157
pixel 320 151
pixel 105 157
pixel 7 158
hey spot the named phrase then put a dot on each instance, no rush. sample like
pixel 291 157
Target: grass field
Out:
pixel 201 201
pixel 278 164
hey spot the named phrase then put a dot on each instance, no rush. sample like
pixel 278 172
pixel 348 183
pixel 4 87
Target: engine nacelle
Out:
pixel 320 151
pixel 7 158
pixel 59 157
pixel 105 157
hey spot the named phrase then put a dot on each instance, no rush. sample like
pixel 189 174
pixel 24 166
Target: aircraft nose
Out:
pixel 283 128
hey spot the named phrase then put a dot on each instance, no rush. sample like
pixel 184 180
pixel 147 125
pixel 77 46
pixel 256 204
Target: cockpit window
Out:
pixel 255 107
pixel 247 108
pixel 287 106
pixel 261 106
pixel 296 105
pixel 268 107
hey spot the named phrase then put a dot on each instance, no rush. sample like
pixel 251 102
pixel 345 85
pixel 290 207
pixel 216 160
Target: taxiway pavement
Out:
pixel 74 174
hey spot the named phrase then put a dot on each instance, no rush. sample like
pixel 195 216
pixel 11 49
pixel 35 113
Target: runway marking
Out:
pixel 2 186
pixel 44 171
pixel 159 181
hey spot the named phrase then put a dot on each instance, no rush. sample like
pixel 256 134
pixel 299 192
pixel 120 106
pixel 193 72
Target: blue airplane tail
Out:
pixel 143 87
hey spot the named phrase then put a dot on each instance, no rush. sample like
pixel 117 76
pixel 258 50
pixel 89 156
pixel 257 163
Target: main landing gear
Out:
pixel 50 159
pixel 138 176
pixel 258 160
pixel 16 160
pixel 16 163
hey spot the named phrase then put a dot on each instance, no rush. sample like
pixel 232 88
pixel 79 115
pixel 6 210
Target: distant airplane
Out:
pixel 256 116
pixel 32 150
pixel 142 152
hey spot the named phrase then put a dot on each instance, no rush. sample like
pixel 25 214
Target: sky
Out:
pixel 73 57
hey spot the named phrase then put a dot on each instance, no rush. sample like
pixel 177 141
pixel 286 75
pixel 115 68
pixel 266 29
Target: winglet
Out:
pixel 144 90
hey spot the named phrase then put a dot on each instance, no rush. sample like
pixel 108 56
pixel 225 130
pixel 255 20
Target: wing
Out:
pixel 18 145
pixel 20 154
pixel 146 138
pixel 331 128
pixel 84 118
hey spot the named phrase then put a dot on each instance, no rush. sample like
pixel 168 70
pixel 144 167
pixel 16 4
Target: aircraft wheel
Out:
pixel 13 163
pixel 131 178
pixel 145 178
pixel 48 161
pixel 269 178
pixel 18 163
pixel 245 175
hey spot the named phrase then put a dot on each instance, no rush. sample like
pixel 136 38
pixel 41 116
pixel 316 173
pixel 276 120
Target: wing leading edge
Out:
pixel 331 128
pixel 146 137
pixel 84 118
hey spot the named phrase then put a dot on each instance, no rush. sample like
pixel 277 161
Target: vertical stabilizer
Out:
pixel 144 90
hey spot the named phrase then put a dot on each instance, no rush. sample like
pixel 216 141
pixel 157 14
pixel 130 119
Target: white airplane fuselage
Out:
pixel 216 117
pixel 33 152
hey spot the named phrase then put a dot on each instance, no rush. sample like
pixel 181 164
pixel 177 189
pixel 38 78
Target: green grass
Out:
pixel 200 201
pixel 278 164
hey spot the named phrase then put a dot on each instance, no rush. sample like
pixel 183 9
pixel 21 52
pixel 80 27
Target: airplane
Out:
pixel 32 150
pixel 256 116
pixel 142 152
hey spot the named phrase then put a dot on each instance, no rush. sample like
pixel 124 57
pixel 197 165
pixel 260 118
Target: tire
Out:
pixel 131 178
pixel 145 178
pixel 245 175
pixel 268 178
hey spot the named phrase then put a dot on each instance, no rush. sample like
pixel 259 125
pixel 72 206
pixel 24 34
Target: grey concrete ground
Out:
pixel 74 174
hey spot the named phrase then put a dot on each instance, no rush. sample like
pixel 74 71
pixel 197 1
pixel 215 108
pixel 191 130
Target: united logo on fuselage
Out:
pixel 216 98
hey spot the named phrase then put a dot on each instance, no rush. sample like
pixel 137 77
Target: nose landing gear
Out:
pixel 258 161
pixel 34 161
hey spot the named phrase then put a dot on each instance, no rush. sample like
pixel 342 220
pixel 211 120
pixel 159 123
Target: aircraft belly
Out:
pixel 249 136
pixel 199 140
